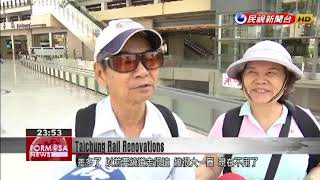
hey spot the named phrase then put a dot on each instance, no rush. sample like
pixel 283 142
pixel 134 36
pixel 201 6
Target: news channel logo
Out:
pixel 49 149
pixel 240 18
pixel 272 18
pixel 48 144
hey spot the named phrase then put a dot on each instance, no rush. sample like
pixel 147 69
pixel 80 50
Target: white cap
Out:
pixel 265 51
pixel 112 39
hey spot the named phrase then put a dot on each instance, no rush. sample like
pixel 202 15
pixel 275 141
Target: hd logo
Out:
pixel 304 18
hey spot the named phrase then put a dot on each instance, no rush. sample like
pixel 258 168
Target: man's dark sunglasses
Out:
pixel 128 62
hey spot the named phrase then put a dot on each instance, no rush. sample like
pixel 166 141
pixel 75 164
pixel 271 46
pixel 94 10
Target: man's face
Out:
pixel 136 86
pixel 263 80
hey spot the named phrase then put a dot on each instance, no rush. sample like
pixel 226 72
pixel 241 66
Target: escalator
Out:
pixel 197 48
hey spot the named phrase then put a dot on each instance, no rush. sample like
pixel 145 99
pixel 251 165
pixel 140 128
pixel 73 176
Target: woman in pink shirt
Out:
pixel 267 76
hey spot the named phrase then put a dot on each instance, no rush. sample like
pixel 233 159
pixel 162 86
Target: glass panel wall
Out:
pixel 300 39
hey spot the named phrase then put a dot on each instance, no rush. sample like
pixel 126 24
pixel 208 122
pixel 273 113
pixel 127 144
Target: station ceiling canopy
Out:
pixel 186 22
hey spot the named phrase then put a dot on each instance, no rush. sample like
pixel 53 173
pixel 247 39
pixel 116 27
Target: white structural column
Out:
pixel 315 59
pixel 29 42
pixel 128 3
pixel 13 49
pixel 104 6
pixel 50 39
pixel 219 42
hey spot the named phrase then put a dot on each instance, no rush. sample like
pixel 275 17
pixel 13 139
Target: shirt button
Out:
pixel 291 131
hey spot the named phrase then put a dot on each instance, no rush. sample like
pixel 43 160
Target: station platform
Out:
pixel 31 99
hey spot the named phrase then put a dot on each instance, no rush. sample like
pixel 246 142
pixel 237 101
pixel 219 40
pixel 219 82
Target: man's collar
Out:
pixel 105 117
pixel 246 111
pixel 153 124
pixel 106 120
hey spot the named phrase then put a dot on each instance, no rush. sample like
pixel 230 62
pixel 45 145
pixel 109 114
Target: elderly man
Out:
pixel 127 61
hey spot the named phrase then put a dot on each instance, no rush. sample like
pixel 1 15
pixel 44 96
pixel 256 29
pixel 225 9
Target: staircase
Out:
pixel 196 48
pixel 73 17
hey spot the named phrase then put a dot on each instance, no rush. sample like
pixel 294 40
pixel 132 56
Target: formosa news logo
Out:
pixel 272 18
pixel 48 148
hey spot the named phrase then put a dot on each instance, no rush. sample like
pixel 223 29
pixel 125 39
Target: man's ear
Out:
pixel 100 74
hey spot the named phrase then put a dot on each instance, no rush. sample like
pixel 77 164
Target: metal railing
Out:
pixel 48 51
pixel 14 4
pixel 197 110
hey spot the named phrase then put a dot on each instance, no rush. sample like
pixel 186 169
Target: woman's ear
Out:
pixel 100 74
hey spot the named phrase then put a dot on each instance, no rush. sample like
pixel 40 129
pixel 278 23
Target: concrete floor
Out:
pixel 37 100
pixel 30 99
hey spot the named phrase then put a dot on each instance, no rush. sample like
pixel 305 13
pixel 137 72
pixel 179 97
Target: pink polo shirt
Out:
pixel 291 166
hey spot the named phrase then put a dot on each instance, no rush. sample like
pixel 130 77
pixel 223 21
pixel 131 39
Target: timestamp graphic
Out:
pixel 48 144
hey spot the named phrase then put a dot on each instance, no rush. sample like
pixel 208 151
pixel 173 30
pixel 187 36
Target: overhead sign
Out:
pixel 23 26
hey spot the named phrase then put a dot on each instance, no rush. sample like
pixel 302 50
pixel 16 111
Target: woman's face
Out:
pixel 263 80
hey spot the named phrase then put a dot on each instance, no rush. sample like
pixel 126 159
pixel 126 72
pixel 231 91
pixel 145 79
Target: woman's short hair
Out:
pixel 288 88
